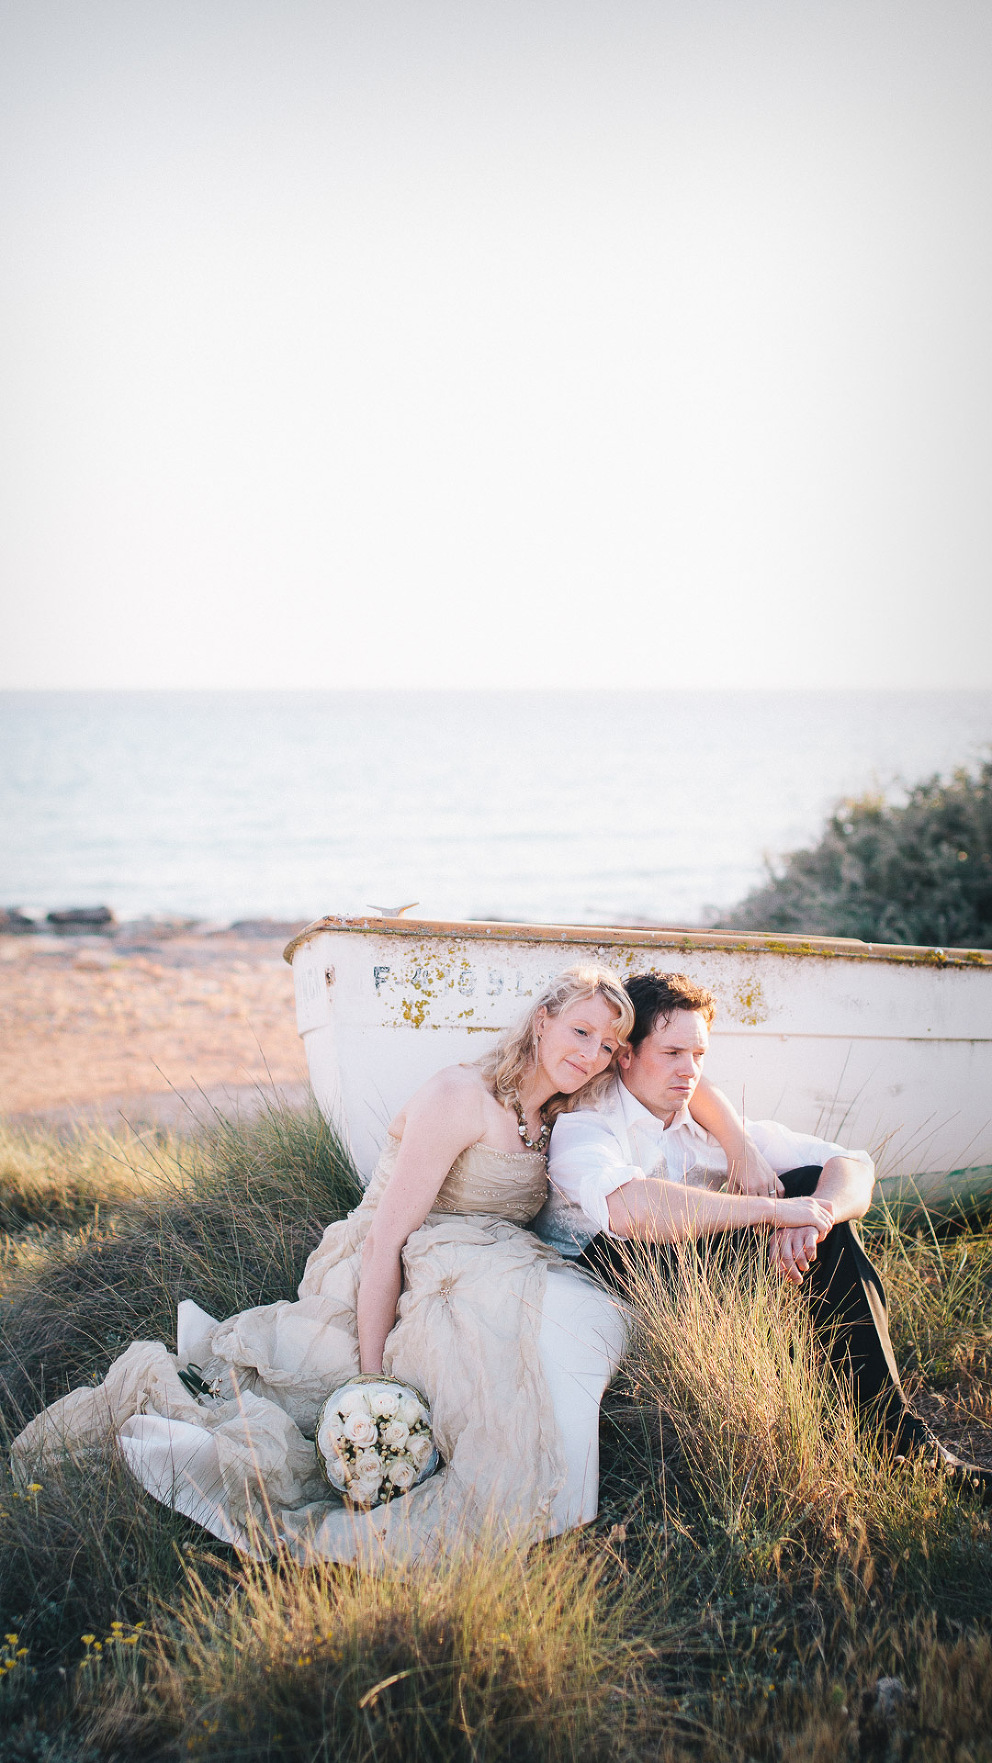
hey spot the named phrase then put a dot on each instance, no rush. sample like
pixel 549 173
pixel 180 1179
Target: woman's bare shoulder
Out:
pixel 455 1081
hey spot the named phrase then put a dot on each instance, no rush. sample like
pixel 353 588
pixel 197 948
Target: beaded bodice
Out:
pixel 505 1184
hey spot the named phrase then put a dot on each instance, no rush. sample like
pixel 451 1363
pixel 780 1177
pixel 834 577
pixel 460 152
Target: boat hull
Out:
pixel 873 1045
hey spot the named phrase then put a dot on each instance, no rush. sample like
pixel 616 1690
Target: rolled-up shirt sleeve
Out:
pixel 586 1164
pixel 786 1149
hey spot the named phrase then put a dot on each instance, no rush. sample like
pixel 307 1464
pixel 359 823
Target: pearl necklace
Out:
pixel 541 1142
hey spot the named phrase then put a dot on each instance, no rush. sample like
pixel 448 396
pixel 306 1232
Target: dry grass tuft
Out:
pixel 940 1294
pixel 487 1654
pixel 51 1179
pixel 752 1422
pixel 229 1220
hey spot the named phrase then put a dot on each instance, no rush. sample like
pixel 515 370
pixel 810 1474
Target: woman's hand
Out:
pixel 748 1172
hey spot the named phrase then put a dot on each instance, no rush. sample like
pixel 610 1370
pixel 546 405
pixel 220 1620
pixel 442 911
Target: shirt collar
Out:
pixel 636 1114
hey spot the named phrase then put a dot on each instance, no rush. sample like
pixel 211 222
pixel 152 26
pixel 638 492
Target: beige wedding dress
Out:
pixel 512 1346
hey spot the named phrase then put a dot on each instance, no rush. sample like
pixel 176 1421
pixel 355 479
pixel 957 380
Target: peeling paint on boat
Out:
pixel 874 1044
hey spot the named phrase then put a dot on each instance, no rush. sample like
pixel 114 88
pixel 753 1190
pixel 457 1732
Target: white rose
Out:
pixel 333 1450
pixel 419 1449
pixel 402 1474
pixel 410 1411
pixel 369 1465
pixel 363 1492
pixel 395 1434
pixel 352 1400
pixel 331 1427
pixel 361 1429
pixel 384 1403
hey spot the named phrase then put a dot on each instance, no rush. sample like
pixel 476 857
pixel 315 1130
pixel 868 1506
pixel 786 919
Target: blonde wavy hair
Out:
pixel 515 1053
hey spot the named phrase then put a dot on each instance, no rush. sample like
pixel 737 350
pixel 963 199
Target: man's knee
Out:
pixel 800 1183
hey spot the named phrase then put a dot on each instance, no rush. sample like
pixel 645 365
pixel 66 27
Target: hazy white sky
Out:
pixel 396 342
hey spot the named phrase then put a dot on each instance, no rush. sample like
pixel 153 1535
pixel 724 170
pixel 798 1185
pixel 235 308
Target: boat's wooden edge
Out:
pixel 613 936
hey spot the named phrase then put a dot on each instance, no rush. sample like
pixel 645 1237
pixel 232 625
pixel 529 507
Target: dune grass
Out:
pixel 49 1178
pixel 757 1569
pixel 490 1654
pixel 230 1217
pixel 940 1293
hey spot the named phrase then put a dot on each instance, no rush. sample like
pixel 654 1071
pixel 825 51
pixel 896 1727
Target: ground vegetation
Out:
pixel 912 871
pixel 761 1584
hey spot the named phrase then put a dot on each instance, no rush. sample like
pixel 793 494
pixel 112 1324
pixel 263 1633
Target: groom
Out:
pixel 639 1168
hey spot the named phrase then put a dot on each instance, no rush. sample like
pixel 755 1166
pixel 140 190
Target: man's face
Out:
pixel 664 1070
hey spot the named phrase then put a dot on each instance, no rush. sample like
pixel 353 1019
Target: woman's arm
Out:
pixel 748 1172
pixel 440 1121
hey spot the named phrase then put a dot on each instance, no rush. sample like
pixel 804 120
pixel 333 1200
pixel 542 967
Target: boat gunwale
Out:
pixel 613 936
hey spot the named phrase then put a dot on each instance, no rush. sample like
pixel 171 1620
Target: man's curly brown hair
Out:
pixel 656 996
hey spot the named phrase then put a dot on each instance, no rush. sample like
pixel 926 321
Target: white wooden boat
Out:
pixel 875 1045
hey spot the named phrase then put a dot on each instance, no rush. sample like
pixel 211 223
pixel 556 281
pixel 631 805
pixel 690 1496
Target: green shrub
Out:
pixel 916 872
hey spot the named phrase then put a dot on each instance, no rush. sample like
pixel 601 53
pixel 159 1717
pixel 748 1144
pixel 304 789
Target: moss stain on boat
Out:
pixel 747 1002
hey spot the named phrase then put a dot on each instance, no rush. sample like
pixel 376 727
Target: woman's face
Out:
pixel 578 1043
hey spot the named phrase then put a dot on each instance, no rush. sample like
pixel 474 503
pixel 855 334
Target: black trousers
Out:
pixel 847 1301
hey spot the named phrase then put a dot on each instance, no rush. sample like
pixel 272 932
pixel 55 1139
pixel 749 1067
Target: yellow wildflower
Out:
pixel 87 1639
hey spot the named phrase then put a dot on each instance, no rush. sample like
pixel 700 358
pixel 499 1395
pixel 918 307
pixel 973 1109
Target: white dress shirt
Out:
pixel 597 1150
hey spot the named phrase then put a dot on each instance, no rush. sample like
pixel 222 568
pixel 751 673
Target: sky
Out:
pixel 544 343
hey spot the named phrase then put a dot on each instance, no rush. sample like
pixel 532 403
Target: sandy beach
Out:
pixel 148 1028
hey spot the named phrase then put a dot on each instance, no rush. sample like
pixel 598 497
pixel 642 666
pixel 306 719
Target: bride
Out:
pixel 432 1279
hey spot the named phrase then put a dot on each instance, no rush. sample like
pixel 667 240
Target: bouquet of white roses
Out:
pixel 374 1440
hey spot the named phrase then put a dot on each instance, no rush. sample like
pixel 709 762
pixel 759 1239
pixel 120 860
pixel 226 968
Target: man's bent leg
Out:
pixel 848 1305
pixel 614 1258
pixel 849 1313
pixel 849 1316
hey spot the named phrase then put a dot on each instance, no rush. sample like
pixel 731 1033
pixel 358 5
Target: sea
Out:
pixel 561 807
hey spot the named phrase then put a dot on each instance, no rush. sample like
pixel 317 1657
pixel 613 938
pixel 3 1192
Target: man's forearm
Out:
pixel 847 1183
pixel 670 1211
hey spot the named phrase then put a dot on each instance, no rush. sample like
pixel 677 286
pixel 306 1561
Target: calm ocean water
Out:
pixel 571 806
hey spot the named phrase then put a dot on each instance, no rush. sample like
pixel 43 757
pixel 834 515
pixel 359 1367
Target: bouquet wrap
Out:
pixel 374 1440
